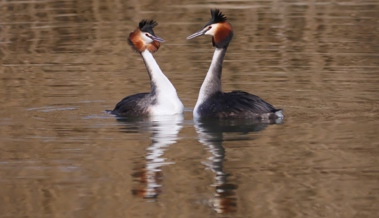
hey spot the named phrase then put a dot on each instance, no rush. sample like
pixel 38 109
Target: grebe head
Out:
pixel 220 30
pixel 144 38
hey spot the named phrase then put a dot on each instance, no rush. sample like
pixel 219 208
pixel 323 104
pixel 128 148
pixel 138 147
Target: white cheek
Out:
pixel 145 38
pixel 212 31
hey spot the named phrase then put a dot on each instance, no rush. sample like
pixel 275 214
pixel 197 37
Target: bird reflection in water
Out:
pixel 211 133
pixel 148 173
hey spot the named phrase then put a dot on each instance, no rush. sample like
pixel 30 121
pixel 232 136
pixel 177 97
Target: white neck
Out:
pixel 167 98
pixel 212 81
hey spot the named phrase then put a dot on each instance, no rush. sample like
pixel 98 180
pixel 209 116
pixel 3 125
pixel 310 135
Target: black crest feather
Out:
pixel 147 26
pixel 217 17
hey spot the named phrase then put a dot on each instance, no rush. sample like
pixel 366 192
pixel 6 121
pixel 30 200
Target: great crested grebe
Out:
pixel 212 101
pixel 163 99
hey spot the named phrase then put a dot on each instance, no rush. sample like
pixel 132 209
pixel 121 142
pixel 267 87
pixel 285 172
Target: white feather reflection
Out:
pixel 164 132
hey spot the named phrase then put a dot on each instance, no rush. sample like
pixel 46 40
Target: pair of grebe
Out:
pixel 212 101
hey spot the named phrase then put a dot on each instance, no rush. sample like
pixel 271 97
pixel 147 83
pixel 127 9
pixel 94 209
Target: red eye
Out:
pixel 147 35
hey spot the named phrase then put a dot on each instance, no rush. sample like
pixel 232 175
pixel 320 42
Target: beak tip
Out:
pixel 158 39
pixel 192 36
pixel 198 33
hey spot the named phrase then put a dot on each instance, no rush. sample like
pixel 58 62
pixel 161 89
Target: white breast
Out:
pixel 168 102
pixel 167 105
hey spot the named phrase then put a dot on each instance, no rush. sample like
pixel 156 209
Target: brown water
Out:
pixel 64 62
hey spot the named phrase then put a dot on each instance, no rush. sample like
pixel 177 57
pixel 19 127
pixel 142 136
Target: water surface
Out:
pixel 64 62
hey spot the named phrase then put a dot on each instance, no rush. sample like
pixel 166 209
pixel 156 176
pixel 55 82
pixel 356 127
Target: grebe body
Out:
pixel 212 101
pixel 162 99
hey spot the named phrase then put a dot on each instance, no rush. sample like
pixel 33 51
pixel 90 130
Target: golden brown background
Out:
pixel 64 62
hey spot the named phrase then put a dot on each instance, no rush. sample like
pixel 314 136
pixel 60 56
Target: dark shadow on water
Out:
pixel 212 134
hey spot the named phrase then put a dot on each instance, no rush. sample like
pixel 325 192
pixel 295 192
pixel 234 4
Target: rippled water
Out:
pixel 64 62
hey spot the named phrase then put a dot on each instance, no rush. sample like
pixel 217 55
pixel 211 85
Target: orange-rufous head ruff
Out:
pixel 144 38
pixel 220 30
